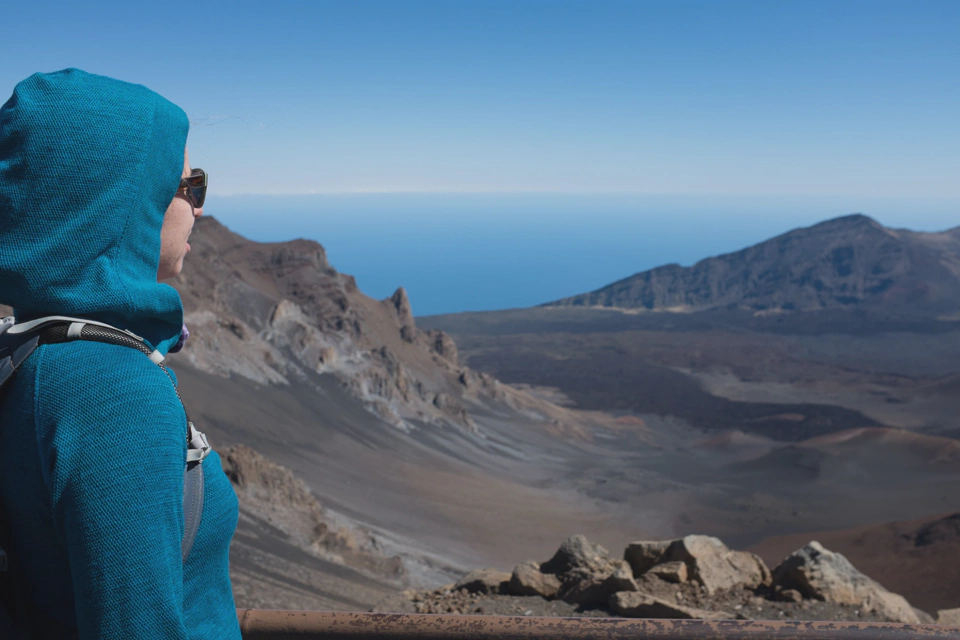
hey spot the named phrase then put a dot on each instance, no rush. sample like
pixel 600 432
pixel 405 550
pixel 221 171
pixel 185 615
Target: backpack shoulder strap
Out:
pixel 18 341
pixel 64 328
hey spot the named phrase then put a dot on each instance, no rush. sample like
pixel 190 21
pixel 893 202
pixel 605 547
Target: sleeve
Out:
pixel 112 435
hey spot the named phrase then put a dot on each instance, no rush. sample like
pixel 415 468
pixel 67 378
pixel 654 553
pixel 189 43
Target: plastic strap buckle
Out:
pixel 198 448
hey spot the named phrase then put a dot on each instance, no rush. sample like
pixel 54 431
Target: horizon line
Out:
pixel 541 192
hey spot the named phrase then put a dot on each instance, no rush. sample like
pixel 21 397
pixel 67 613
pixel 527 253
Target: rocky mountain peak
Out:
pixel 850 221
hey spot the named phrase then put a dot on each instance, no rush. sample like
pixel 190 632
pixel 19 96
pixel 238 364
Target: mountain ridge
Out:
pixel 850 262
pixel 273 312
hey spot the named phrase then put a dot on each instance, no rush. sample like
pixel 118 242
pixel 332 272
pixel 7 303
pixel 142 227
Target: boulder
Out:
pixel 576 552
pixel 587 573
pixel 483 581
pixel 675 572
pixel 949 617
pixel 713 565
pixel 821 574
pixel 528 580
pixel 643 554
pixel 595 589
pixel 641 605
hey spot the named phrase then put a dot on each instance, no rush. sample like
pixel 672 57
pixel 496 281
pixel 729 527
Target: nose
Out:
pixel 197 212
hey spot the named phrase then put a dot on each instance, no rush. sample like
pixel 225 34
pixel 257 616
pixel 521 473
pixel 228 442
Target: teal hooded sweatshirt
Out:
pixel 92 436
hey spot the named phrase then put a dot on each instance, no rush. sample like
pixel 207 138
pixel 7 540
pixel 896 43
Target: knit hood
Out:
pixel 88 167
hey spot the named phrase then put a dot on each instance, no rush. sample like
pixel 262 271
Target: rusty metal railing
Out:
pixel 257 624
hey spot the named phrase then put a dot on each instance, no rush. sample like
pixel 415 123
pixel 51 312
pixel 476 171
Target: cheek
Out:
pixel 182 218
pixel 177 224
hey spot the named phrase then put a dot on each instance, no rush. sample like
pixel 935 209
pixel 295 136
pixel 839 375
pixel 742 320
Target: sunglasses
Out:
pixel 195 187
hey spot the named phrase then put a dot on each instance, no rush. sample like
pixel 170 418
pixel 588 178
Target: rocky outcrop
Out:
pixel 399 304
pixel 818 573
pixel 691 577
pixel 443 345
pixel 271 493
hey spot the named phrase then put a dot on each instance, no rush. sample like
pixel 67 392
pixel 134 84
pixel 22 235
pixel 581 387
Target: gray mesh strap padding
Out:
pixel 192 506
pixel 25 327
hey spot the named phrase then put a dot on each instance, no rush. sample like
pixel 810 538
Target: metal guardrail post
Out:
pixel 258 624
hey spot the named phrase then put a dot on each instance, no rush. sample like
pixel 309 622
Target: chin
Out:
pixel 167 271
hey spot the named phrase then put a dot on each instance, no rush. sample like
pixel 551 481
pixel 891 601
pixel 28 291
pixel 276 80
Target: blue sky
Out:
pixel 765 97
pixel 757 116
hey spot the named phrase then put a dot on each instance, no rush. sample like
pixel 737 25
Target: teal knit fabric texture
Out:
pixel 92 435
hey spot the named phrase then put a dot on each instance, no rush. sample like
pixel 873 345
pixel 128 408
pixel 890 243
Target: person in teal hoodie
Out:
pixel 92 446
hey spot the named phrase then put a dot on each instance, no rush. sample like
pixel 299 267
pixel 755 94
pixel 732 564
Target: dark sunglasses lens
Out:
pixel 197 187
pixel 197 195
